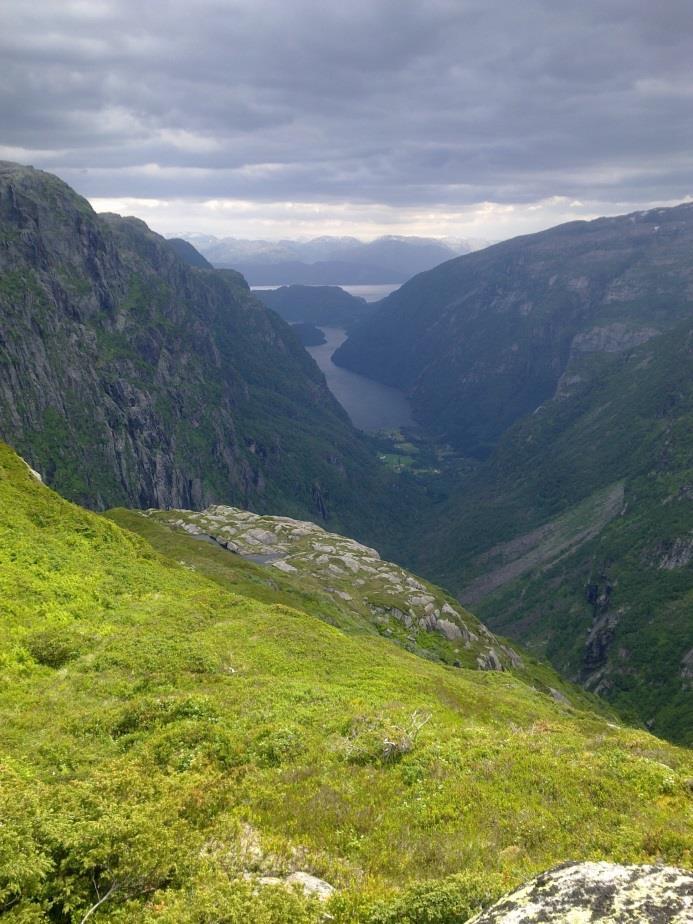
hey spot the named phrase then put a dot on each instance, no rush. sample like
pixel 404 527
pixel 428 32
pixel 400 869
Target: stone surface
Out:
pixel 311 884
pixel 598 893
pixel 353 575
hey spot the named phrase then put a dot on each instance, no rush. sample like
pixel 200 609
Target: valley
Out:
pixel 346 462
pixel 306 618
pixel 559 366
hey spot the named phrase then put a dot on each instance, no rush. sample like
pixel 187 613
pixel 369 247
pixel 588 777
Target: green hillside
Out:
pixel 562 362
pixel 167 743
pixel 576 536
pixel 347 588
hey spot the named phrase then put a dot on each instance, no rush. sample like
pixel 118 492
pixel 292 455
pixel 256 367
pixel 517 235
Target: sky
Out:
pixel 295 118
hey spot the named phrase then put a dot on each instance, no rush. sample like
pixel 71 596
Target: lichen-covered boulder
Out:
pixel 587 893
pixel 311 885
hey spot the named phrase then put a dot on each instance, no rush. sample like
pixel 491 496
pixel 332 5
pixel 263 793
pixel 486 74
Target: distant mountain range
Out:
pixel 330 260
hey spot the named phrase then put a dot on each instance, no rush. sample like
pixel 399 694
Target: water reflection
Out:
pixel 370 405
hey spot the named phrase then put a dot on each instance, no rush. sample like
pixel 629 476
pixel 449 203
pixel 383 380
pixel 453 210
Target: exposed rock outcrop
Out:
pixel 687 670
pixel 362 582
pixel 598 893
pixel 611 338
pixel 677 553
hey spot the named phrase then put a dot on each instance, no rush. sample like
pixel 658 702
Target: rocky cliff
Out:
pixel 129 377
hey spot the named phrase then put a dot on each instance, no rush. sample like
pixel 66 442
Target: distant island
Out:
pixel 327 306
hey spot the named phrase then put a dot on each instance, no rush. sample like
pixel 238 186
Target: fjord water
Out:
pixel 370 405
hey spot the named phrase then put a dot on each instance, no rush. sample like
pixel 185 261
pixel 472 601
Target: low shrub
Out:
pixel 53 647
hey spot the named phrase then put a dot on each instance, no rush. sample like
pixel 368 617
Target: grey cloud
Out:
pixel 425 102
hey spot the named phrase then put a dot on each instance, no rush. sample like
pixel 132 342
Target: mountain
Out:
pixel 488 337
pixel 188 254
pixel 330 260
pixel 308 334
pixel 406 255
pixel 326 306
pixel 576 536
pixel 175 752
pixel 564 361
pixel 129 377
pixel 322 273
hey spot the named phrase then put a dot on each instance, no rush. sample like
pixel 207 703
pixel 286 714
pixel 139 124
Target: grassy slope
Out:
pixel 310 594
pixel 148 714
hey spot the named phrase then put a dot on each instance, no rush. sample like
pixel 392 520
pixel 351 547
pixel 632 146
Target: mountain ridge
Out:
pixel 128 377
pixel 330 260
pixel 486 337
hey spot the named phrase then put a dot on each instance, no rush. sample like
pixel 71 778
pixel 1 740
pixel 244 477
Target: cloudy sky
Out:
pixel 288 118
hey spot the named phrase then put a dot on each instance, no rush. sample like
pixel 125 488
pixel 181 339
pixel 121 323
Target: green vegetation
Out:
pixel 575 536
pixel 376 604
pixel 561 362
pixel 185 731
pixel 167 742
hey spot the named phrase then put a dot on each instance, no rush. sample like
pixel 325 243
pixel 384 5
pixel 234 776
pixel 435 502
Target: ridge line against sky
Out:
pixel 268 119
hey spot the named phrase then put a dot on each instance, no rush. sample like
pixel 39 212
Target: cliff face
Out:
pixel 484 339
pixel 128 377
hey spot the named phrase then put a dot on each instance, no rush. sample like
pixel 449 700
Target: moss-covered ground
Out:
pixel 166 741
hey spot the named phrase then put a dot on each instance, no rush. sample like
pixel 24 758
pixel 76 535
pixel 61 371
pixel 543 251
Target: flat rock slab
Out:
pixel 598 893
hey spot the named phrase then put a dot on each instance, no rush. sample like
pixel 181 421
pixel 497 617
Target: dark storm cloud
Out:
pixel 401 102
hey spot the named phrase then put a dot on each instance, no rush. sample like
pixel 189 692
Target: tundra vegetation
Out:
pixel 173 751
